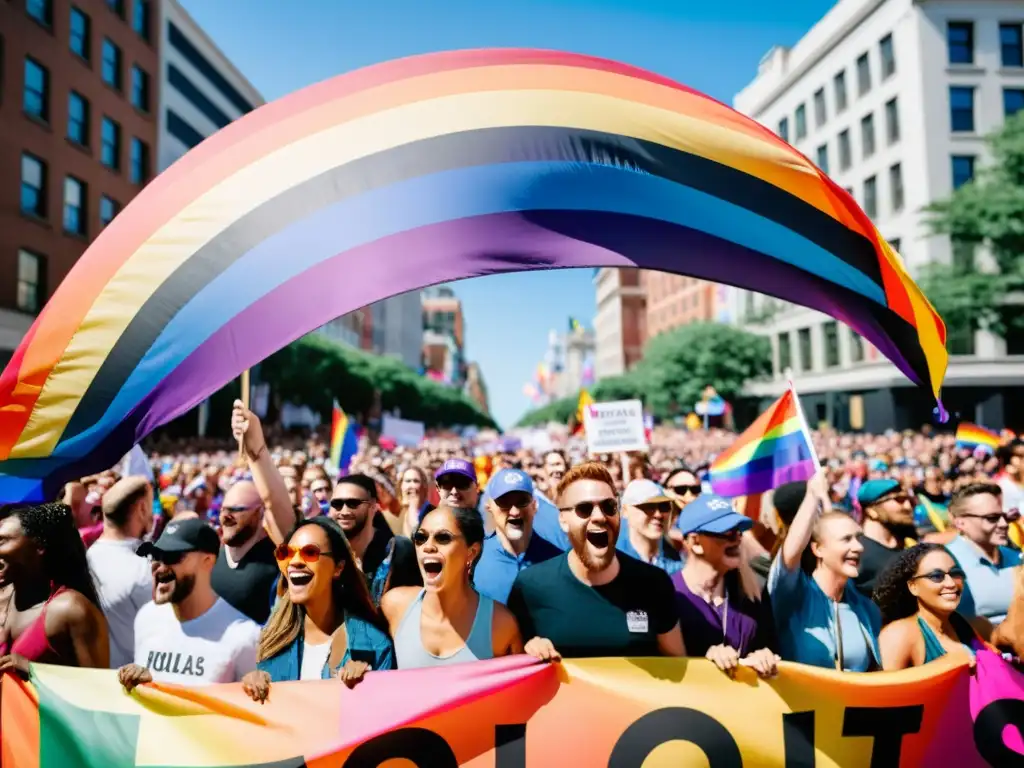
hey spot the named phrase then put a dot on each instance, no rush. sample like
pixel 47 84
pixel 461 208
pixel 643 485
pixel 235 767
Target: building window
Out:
pixel 961 108
pixel 140 89
pixel 109 208
pixel 892 121
pixel 78 38
pixel 78 119
pixel 140 18
pixel 845 155
pixel 963 170
pixel 41 11
pixel 888 57
pixel 896 187
pixel 806 358
pixel 960 42
pixel 863 75
pixel 110 144
pixel 871 197
pixel 1013 101
pixel 117 6
pixel 856 347
pixel 36 95
pixel 867 135
pixel 785 353
pixel 831 344
pixel 784 129
pixel 74 206
pixel 179 41
pixel 111 64
pixel 820 111
pixel 823 157
pixel 139 173
pixel 800 120
pixel 33 186
pixel 30 282
pixel 181 130
pixel 1012 45
pixel 840 88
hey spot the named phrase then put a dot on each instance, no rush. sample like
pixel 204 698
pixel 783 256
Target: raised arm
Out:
pixel 245 426
pixel 799 534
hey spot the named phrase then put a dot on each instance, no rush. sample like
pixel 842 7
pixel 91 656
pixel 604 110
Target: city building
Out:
pixel 476 387
pixel 201 91
pixel 892 98
pixel 620 322
pixel 401 324
pixel 675 300
pixel 79 89
pixel 443 336
pixel 570 361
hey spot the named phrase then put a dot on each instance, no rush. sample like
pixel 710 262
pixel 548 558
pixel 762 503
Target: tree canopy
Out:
pixel 989 212
pixel 675 369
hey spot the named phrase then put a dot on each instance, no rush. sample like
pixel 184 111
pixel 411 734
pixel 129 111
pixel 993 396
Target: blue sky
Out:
pixel 284 45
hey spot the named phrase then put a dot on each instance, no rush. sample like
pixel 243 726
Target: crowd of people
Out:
pixel 259 565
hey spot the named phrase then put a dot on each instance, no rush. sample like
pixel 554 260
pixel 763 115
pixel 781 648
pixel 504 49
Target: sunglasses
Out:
pixel 583 510
pixel 992 519
pixel 665 507
pixel 937 576
pixel 237 510
pixel 734 535
pixel 441 538
pixel 340 504
pixel 518 500
pixel 682 490
pixel 458 482
pixel 309 554
pixel 169 558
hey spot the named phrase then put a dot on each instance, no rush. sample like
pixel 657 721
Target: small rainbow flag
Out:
pixel 937 515
pixel 774 450
pixel 576 423
pixel 344 440
pixel 973 437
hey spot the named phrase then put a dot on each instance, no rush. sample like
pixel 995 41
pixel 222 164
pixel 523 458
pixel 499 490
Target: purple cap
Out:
pixel 456 467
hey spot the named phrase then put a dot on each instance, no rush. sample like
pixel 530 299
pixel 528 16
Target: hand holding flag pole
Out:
pixel 803 421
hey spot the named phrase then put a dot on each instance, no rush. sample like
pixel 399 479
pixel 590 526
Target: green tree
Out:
pixel 559 411
pixel 989 212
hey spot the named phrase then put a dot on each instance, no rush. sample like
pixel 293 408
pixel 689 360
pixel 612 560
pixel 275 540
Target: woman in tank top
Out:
pixel 448 621
pixel 919 593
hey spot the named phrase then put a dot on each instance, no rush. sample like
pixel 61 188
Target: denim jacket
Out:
pixel 365 643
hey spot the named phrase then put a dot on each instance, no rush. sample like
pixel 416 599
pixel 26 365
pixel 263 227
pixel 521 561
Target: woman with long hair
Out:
pixel 918 594
pixel 53 614
pixel 324 623
pixel 448 621
pixel 413 496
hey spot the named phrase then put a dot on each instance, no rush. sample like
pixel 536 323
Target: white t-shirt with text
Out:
pixel 217 647
pixel 125 584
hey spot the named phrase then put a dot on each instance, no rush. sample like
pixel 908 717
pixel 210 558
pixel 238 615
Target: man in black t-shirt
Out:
pixel 594 602
pixel 888 523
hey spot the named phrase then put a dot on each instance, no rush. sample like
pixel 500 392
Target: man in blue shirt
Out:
pixel 513 544
pixel 649 513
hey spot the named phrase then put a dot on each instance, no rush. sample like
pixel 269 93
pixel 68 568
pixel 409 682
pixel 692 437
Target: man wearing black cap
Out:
pixel 188 635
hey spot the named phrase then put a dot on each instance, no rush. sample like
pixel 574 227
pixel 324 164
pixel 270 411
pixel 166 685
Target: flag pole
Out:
pixel 803 423
pixel 245 402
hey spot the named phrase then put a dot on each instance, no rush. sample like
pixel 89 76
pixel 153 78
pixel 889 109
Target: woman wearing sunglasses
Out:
pixel 324 623
pixel 919 593
pixel 448 621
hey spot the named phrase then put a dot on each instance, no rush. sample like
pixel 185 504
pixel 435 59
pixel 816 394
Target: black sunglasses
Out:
pixel 458 482
pixel 993 519
pixel 340 504
pixel 517 499
pixel 682 490
pixel 937 576
pixel 237 510
pixel 441 538
pixel 168 558
pixel 665 507
pixel 608 507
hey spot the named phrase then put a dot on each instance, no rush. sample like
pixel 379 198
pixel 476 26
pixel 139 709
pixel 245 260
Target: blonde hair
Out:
pixel 424 479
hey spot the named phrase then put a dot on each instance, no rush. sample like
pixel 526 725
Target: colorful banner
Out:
pixel 516 713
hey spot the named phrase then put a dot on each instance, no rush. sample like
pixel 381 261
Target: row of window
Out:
pixel 830 331
pixel 960 43
pixel 963 168
pixel 961 106
pixel 75 210
pixel 839 90
pixel 42 12
pixel 867 138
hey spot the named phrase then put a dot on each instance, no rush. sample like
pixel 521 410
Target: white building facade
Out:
pixel 893 99
pixel 620 322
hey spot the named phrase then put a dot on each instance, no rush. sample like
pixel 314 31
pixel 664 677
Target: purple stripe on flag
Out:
pixel 765 480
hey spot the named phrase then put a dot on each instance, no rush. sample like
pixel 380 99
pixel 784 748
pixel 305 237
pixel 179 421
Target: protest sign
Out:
pixel 615 427
pixel 403 431
pixel 517 713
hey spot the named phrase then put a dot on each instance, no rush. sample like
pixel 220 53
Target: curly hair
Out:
pixel 52 527
pixel 891 593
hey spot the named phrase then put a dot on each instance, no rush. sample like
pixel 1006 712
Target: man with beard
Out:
pixel 188 635
pixel 594 602
pixel 354 507
pixel 888 523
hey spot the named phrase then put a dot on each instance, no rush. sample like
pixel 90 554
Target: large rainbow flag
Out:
pixel 344 440
pixel 517 713
pixel 421 171
pixel 773 450
pixel 972 437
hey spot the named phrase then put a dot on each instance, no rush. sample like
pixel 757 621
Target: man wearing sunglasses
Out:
pixel 354 506
pixel 457 485
pixel 982 552
pixel 594 602
pixel 188 635
pixel 888 523
pixel 649 513
pixel 513 544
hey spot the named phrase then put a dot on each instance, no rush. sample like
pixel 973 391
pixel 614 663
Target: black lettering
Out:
pixel 798 738
pixel 149 660
pixel 187 669
pixel 676 724
pixel 177 660
pixel 423 748
pixel 510 746
pixel 888 726
pixel 159 659
pixel 199 666
pixel 988 731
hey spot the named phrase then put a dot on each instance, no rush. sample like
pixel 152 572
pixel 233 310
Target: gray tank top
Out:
pixel 409 645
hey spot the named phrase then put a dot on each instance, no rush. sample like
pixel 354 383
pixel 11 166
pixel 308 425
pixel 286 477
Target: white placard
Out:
pixel 615 427
pixel 403 431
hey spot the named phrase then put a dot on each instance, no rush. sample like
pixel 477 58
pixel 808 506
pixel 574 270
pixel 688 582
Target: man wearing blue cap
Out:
pixel 513 544
pixel 888 522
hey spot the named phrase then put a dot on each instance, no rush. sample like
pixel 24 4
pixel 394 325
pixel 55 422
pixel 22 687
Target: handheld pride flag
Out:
pixel 577 423
pixel 344 441
pixel 973 437
pixel 775 449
